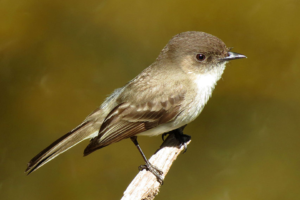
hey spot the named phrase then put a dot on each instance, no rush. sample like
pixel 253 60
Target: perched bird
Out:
pixel 165 96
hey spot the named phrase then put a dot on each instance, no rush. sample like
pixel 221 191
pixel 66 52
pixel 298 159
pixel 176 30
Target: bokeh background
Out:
pixel 60 59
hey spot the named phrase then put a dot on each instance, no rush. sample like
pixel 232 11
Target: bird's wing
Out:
pixel 128 119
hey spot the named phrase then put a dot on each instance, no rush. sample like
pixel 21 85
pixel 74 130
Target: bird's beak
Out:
pixel 232 56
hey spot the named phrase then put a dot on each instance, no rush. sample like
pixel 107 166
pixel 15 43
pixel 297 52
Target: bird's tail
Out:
pixel 80 133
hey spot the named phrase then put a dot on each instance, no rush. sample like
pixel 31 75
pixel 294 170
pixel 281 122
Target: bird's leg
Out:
pixel 148 166
pixel 180 136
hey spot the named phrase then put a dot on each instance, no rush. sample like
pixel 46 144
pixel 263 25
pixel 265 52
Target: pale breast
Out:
pixel 204 86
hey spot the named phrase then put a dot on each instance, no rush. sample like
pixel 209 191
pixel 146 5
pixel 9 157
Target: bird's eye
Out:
pixel 200 57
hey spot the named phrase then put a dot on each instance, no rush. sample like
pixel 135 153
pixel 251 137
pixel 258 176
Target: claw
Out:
pixel 154 170
pixel 182 138
pixel 185 146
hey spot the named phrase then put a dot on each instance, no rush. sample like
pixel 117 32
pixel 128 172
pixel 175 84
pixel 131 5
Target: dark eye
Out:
pixel 200 57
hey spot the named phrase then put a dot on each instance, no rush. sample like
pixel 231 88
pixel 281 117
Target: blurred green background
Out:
pixel 60 59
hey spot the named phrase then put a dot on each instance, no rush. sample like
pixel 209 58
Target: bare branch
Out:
pixel 145 185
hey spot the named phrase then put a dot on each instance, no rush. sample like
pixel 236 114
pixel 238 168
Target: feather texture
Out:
pixel 127 120
pixel 80 133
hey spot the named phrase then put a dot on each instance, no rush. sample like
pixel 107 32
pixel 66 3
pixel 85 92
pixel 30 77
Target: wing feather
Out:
pixel 127 120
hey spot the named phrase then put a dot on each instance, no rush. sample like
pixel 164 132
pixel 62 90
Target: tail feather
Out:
pixel 80 133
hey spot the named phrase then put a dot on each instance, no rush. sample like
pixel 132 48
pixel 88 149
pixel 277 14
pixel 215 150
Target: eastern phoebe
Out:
pixel 166 96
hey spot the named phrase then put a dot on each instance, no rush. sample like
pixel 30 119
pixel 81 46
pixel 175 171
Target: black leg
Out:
pixel 148 166
pixel 182 138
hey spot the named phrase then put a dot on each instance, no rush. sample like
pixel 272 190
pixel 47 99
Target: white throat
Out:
pixel 205 84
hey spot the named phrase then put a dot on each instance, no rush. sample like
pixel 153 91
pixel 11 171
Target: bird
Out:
pixel 166 96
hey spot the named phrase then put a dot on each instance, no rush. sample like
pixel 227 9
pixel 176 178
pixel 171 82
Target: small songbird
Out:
pixel 164 97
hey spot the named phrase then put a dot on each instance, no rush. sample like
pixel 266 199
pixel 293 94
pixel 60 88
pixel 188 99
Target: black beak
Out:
pixel 232 56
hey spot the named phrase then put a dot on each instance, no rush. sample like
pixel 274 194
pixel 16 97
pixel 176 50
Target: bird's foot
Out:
pixel 182 138
pixel 154 170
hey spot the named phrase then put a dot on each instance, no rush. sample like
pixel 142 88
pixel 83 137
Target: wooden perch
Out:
pixel 145 185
